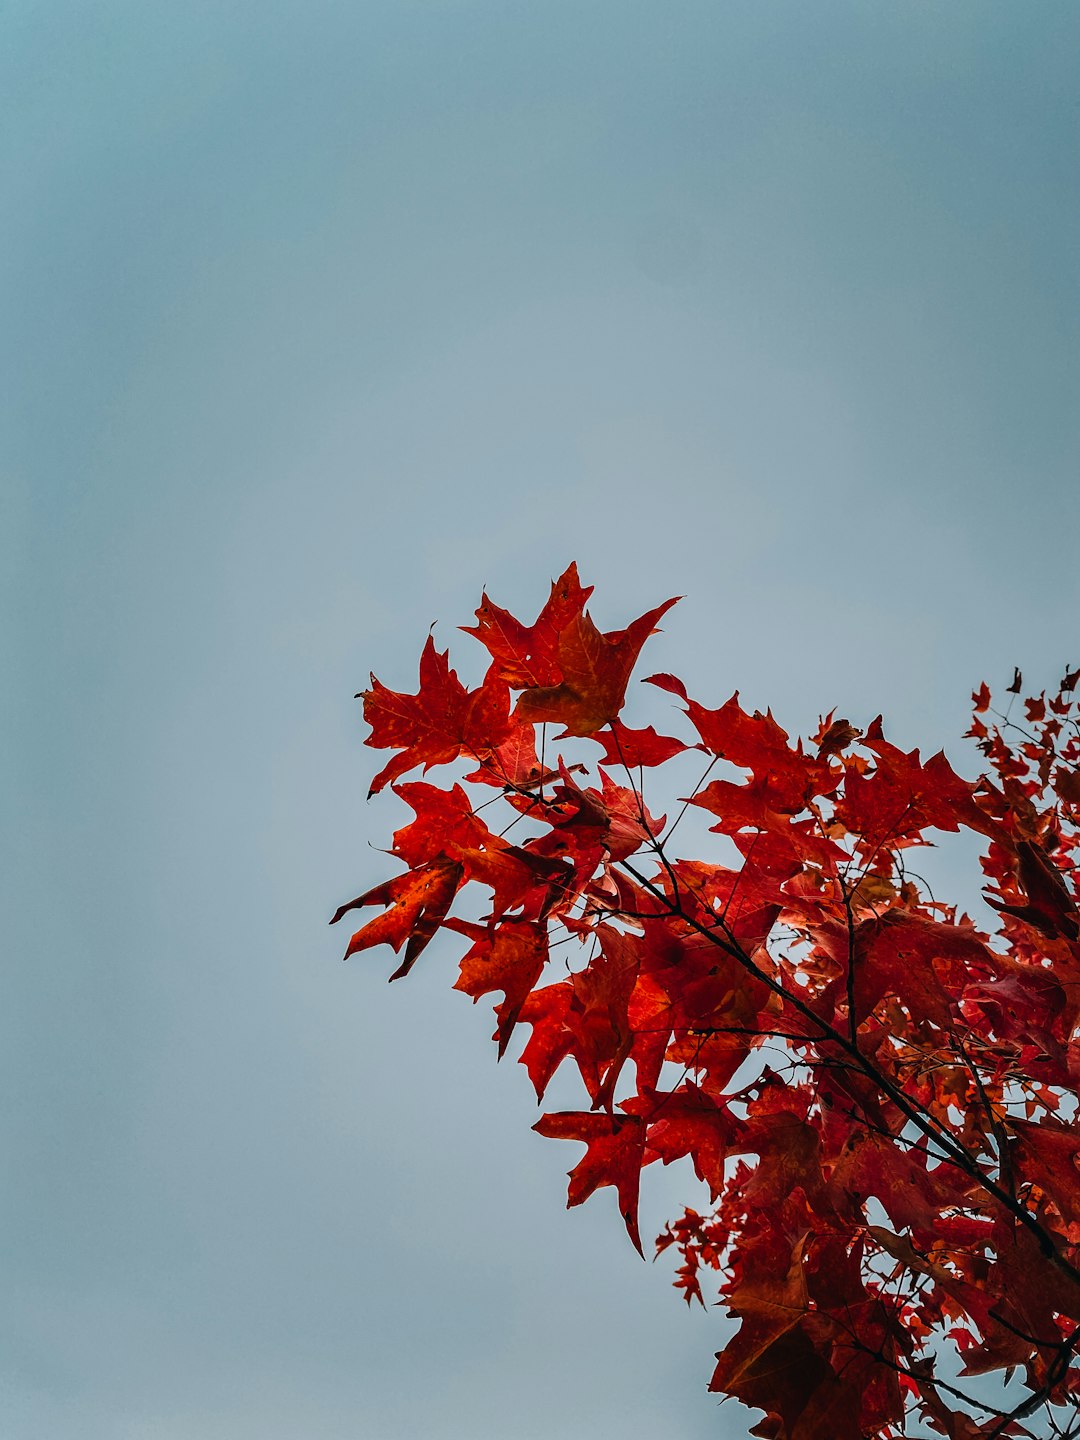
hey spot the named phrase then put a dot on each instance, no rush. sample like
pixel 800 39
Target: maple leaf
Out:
pixel 594 670
pixel 418 902
pixel 586 822
pixel 753 742
pixel 772 1362
pixel 548 1012
pixel 514 765
pixel 614 1156
pixel 598 1017
pixel 834 736
pixel 444 821
pixel 510 959
pixel 903 796
pixel 689 1122
pixel 923 962
pixel 913 1194
pixel 447 827
pixel 756 743
pixel 634 749
pixel 1049 1156
pixel 780 1131
pixel 1067 785
pixel 1050 908
pixel 437 724
pixel 527 655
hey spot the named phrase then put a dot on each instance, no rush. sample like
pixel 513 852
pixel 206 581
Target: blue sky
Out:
pixel 316 319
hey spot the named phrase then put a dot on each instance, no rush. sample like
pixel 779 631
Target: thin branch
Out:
pixel 690 799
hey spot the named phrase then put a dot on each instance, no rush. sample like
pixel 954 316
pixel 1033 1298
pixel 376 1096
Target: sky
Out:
pixel 316 319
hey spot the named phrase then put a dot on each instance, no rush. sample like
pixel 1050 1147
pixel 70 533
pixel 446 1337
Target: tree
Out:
pixel 879 1094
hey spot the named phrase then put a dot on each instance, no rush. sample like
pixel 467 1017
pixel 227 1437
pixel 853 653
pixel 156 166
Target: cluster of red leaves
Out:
pixel 879 1096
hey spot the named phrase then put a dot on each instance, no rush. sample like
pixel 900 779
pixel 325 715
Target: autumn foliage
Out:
pixel 878 1093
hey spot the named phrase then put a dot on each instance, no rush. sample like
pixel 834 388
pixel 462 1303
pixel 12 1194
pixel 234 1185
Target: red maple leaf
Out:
pixel 417 901
pixel 593 671
pixel 437 724
pixel 510 958
pixel 634 749
pixel 614 1156
pixel 528 655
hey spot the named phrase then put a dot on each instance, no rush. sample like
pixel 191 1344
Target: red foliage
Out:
pixel 905 1179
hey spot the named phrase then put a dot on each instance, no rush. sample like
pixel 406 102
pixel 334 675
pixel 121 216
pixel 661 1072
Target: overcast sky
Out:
pixel 317 317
